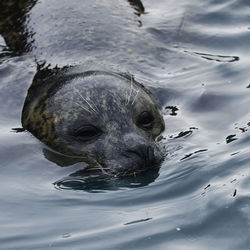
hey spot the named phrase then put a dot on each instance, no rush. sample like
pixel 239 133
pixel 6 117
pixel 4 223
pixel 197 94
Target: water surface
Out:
pixel 198 54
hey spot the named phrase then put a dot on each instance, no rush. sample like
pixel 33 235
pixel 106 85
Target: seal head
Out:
pixel 108 119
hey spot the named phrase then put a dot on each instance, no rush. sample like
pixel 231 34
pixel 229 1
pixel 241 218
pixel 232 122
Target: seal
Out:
pixel 107 119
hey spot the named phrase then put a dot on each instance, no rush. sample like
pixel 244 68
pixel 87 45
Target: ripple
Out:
pixel 199 198
pixel 217 58
pixel 191 154
pixel 173 110
pixel 102 184
pixel 137 221
pixel 231 138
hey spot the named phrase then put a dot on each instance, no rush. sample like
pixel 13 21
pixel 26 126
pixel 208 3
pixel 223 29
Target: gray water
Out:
pixel 198 53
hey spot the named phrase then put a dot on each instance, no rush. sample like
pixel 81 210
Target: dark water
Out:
pixel 198 51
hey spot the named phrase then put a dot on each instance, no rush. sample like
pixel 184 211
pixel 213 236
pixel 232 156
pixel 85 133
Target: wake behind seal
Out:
pixel 106 119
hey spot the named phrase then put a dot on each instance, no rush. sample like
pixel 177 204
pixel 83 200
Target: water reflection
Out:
pixel 89 182
pixel 138 6
pixel 14 16
pixel 15 27
pixel 202 198
pixel 217 58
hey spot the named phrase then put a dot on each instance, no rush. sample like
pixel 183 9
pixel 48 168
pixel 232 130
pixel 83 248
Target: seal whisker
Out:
pixel 137 92
pixel 85 100
pixel 131 90
pixel 95 106
pixel 99 167
pixel 103 169
pixel 84 108
pixel 97 109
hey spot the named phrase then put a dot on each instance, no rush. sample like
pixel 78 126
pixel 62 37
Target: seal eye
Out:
pixel 87 133
pixel 145 120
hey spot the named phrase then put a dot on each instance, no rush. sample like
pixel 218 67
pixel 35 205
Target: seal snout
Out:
pixel 144 153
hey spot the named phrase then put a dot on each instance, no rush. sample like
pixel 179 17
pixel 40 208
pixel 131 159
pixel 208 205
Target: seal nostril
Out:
pixel 145 153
